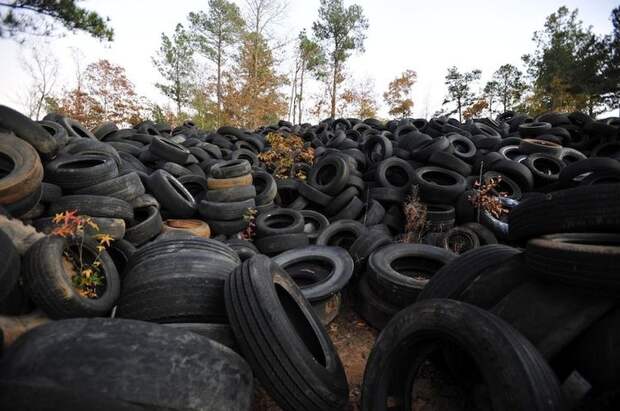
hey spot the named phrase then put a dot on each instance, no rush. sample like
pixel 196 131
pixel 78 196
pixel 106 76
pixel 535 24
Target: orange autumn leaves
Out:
pixel 86 276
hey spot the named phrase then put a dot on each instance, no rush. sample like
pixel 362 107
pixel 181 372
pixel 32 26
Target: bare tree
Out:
pixel 261 15
pixel 43 71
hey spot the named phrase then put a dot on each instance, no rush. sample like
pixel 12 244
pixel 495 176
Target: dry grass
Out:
pixel 416 224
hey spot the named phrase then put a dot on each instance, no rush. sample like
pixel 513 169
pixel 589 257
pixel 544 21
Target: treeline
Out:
pixel 223 65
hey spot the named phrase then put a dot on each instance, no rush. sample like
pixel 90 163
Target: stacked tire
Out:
pixel 229 198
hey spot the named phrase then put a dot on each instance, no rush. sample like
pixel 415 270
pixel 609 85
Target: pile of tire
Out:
pixel 210 249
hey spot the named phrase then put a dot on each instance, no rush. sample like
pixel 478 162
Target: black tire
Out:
pixel 319 271
pixel 125 187
pixel 93 206
pixel 460 240
pixel 196 185
pixel 278 243
pixel 440 217
pixel 145 200
pixel 350 211
pixel 228 228
pixel 50 287
pixel 545 168
pixel 581 209
pixel 342 233
pixel 245 249
pixel 231 168
pixel 395 173
pixel 104 129
pixel 330 175
pixel 586 260
pixel 590 165
pixel 485 236
pixel 399 272
pixel 372 213
pixel 121 251
pixel 498 351
pixel 282 338
pixel 58 132
pixel 177 280
pixel 171 194
pixel 439 185
pixel 367 243
pixel 386 195
pixel 374 310
pixel 450 162
pixel 313 194
pixel 22 175
pixel 455 276
pixel 314 223
pixel 229 195
pixel 516 171
pixel 79 171
pixel 265 187
pixel 67 353
pixel 567 314
pixel 50 193
pixel 11 265
pixel 29 131
pixel 167 149
pixel 464 148
pixel 340 201
pixel 146 225
pixel 279 221
pixel 221 333
pixel 225 211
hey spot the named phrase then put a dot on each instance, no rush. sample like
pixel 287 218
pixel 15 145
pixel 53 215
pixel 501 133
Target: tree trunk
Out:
pixel 301 88
pixel 219 82
pixel 458 107
pixel 333 111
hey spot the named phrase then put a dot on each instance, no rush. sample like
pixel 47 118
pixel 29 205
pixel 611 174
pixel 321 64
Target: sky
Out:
pixel 426 36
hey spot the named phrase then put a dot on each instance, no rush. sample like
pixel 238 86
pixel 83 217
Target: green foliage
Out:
pixel 39 17
pixel 175 63
pixel 459 89
pixel 213 33
pixel 341 30
pixel 569 65
pixel 507 86
pixel 219 28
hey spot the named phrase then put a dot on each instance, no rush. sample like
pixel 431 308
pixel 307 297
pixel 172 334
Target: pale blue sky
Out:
pixel 426 36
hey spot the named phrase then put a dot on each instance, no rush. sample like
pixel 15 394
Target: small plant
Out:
pixel 285 152
pixel 484 197
pixel 250 217
pixel 415 219
pixel 86 276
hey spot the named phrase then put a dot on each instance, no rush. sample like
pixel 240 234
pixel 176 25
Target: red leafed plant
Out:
pixel 86 276
pixel 250 217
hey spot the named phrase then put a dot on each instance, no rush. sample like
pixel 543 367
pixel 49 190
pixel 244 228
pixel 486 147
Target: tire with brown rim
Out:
pixel 23 172
pixel 195 227
pixel 47 279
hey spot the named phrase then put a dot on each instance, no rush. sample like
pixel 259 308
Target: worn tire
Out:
pixel 282 338
pixel 499 351
pixel 50 287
